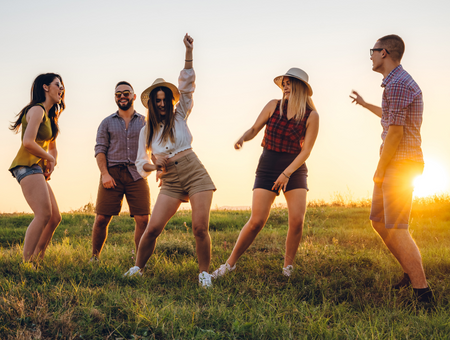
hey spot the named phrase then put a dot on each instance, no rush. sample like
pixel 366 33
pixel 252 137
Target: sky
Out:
pixel 239 47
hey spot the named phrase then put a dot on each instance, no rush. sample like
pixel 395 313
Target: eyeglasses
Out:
pixel 125 93
pixel 378 49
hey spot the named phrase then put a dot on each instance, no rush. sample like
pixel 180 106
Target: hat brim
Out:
pixel 146 93
pixel 278 81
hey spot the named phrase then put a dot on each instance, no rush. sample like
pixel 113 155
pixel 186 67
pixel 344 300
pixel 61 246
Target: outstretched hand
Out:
pixel 357 99
pixel 188 42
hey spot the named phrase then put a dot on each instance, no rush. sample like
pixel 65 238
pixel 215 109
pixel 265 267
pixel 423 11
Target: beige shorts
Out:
pixel 185 177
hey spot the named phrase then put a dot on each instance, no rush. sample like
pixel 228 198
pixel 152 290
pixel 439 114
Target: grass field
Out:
pixel 340 288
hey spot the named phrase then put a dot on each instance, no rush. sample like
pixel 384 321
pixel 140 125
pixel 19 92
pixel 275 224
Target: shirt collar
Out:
pixel 116 114
pixel 391 75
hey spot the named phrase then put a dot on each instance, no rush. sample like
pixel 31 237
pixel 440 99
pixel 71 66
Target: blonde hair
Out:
pixel 299 101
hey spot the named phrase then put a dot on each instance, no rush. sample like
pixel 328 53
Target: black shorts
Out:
pixel 272 164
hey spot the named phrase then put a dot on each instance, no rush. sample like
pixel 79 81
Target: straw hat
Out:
pixel 295 73
pixel 159 83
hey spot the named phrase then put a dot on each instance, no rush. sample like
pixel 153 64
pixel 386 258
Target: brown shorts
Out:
pixel 185 177
pixel 109 201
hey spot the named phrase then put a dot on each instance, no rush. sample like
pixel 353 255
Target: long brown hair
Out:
pixel 299 101
pixel 37 97
pixel 154 117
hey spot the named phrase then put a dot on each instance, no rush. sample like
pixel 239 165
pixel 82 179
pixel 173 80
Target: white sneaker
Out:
pixel 133 271
pixel 287 271
pixel 205 279
pixel 222 270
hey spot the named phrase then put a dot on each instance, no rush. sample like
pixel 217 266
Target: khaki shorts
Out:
pixel 109 201
pixel 185 177
pixel 391 202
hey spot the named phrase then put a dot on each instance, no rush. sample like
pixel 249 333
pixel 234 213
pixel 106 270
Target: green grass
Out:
pixel 340 288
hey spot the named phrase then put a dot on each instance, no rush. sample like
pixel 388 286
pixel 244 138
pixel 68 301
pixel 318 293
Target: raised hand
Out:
pixel 188 42
pixel 357 99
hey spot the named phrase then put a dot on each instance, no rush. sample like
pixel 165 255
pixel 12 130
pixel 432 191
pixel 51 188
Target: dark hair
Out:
pixel 124 83
pixel 395 45
pixel 154 117
pixel 37 97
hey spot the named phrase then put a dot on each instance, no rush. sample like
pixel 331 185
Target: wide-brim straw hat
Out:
pixel 160 82
pixel 295 73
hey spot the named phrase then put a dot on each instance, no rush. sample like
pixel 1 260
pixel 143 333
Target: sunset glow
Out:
pixel 434 180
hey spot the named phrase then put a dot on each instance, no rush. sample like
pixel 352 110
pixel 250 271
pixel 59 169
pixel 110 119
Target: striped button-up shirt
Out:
pixel 403 105
pixel 119 144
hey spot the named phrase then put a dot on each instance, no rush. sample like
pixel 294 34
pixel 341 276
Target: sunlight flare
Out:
pixel 434 180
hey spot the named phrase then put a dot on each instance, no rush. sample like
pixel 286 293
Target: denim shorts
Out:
pixel 391 202
pixel 20 172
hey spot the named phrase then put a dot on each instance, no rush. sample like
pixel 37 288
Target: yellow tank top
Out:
pixel 43 138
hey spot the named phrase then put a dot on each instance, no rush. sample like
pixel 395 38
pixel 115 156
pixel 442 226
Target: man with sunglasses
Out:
pixel 115 151
pixel 401 160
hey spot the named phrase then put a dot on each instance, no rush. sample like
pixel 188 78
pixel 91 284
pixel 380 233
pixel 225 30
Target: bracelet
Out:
pixel 188 60
pixel 286 175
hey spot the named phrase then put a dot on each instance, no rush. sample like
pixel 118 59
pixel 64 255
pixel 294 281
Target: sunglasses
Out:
pixel 125 93
pixel 378 49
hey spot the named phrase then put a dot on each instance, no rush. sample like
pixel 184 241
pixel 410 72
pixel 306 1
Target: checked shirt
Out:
pixel 403 105
pixel 283 135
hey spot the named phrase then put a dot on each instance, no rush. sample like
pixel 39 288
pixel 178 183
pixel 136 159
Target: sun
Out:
pixel 434 180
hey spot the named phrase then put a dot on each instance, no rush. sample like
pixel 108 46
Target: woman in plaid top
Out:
pixel 292 125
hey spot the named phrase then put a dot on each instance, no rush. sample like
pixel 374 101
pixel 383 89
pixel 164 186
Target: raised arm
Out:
pixel 189 43
pixel 358 100
pixel 259 124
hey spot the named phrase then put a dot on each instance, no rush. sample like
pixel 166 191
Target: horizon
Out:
pixel 235 66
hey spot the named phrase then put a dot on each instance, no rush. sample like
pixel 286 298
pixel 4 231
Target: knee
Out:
pixel 102 221
pixel 55 220
pixel 201 231
pixel 255 224
pixel 297 222
pixel 151 233
pixel 141 221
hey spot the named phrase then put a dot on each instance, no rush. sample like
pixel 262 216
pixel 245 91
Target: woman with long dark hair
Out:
pixel 292 125
pixel 166 140
pixel 36 160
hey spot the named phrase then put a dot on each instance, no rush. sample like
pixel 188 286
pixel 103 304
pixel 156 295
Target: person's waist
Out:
pixel 184 156
pixel 112 164
pixel 173 155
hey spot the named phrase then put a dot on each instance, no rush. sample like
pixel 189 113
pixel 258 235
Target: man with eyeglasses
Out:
pixel 115 151
pixel 401 160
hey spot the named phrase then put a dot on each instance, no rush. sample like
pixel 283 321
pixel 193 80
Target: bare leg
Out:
pixel 99 233
pixel 165 208
pixel 50 228
pixel 296 202
pixel 201 206
pixel 141 224
pixel 35 190
pixel 261 203
pixel 405 250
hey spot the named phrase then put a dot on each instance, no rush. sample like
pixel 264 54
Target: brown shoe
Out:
pixel 405 282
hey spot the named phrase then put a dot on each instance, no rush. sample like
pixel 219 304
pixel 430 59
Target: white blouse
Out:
pixel 183 137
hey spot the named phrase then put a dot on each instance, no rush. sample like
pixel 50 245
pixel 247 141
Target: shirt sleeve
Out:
pixel 399 98
pixel 102 141
pixel 142 154
pixel 186 86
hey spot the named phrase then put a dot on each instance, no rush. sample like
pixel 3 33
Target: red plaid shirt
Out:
pixel 283 135
pixel 403 105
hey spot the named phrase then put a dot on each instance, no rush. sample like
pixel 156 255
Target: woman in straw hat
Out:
pixel 292 124
pixel 166 141
pixel 36 160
